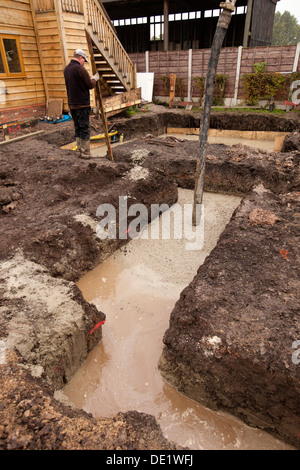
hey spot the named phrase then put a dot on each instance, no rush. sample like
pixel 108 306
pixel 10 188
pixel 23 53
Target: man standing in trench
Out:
pixel 78 84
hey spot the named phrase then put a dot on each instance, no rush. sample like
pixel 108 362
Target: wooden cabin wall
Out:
pixel 43 37
pixel 16 19
pixel 51 55
pixel 59 34
pixel 75 34
pixel 75 38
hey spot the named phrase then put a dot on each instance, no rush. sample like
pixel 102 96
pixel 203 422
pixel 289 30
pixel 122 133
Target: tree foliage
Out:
pixel 286 29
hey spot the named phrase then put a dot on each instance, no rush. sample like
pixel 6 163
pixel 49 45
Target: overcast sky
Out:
pixel 292 6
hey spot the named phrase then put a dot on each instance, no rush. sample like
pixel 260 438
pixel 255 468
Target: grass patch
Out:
pixel 244 110
pixel 250 110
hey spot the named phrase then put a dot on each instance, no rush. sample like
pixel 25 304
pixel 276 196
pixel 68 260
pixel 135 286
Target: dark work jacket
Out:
pixel 79 84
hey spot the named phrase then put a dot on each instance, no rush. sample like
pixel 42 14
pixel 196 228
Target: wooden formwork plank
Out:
pixel 250 135
pixel 121 101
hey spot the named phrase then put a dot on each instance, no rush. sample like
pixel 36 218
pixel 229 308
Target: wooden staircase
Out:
pixel 74 24
pixel 111 83
pixel 117 72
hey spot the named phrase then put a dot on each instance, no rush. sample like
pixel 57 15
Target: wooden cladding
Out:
pixel 99 24
pixel 41 36
pixel 25 88
pixel 73 6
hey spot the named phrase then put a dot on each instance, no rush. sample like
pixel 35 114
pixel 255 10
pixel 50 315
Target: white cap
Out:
pixel 81 53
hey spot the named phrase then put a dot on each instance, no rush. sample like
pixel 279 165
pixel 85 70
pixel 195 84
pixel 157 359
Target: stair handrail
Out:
pixel 73 6
pixel 105 32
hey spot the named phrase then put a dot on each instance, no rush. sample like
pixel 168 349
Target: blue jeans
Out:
pixel 81 118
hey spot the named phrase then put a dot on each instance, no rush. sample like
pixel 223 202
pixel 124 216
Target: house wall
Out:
pixel 59 35
pixel 75 38
pixel 47 39
pixel 51 55
pixel 75 34
pixel 16 19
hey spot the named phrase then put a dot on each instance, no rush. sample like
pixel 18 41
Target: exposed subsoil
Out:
pixel 230 340
pixel 245 297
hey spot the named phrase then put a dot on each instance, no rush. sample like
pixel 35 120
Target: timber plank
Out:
pixel 17 30
pixel 13 5
pixel 28 62
pixel 50 46
pixel 47 32
pixel 15 99
pixel 25 102
pixel 29 53
pixel 49 39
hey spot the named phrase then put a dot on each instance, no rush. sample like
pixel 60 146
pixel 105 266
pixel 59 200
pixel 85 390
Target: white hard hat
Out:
pixel 81 53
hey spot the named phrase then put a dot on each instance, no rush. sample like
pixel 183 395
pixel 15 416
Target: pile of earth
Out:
pixel 48 200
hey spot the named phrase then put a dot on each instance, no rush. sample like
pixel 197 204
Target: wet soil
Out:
pixel 48 200
pixel 32 419
pixel 137 287
pixel 232 169
pixel 291 142
pixel 160 117
pixel 231 338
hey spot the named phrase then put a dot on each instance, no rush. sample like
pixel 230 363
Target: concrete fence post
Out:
pixel 237 76
pixel 296 59
pixel 189 97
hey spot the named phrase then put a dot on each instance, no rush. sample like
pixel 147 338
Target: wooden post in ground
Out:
pixel 172 89
pixel 222 27
pixel 5 132
pixel 99 98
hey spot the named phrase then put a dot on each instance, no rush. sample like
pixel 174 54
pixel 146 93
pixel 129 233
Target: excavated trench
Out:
pixel 61 247
pixel 137 288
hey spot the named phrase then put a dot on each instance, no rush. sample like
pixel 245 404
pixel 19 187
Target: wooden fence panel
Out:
pixel 278 59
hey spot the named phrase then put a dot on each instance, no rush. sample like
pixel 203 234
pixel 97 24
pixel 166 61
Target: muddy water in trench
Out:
pixel 137 289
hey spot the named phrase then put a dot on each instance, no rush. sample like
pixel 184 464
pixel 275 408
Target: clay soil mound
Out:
pixel 49 198
pixel 291 142
pixel 232 339
pixel 32 419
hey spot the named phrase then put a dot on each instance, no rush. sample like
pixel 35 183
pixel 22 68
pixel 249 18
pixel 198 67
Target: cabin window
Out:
pixel 11 64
